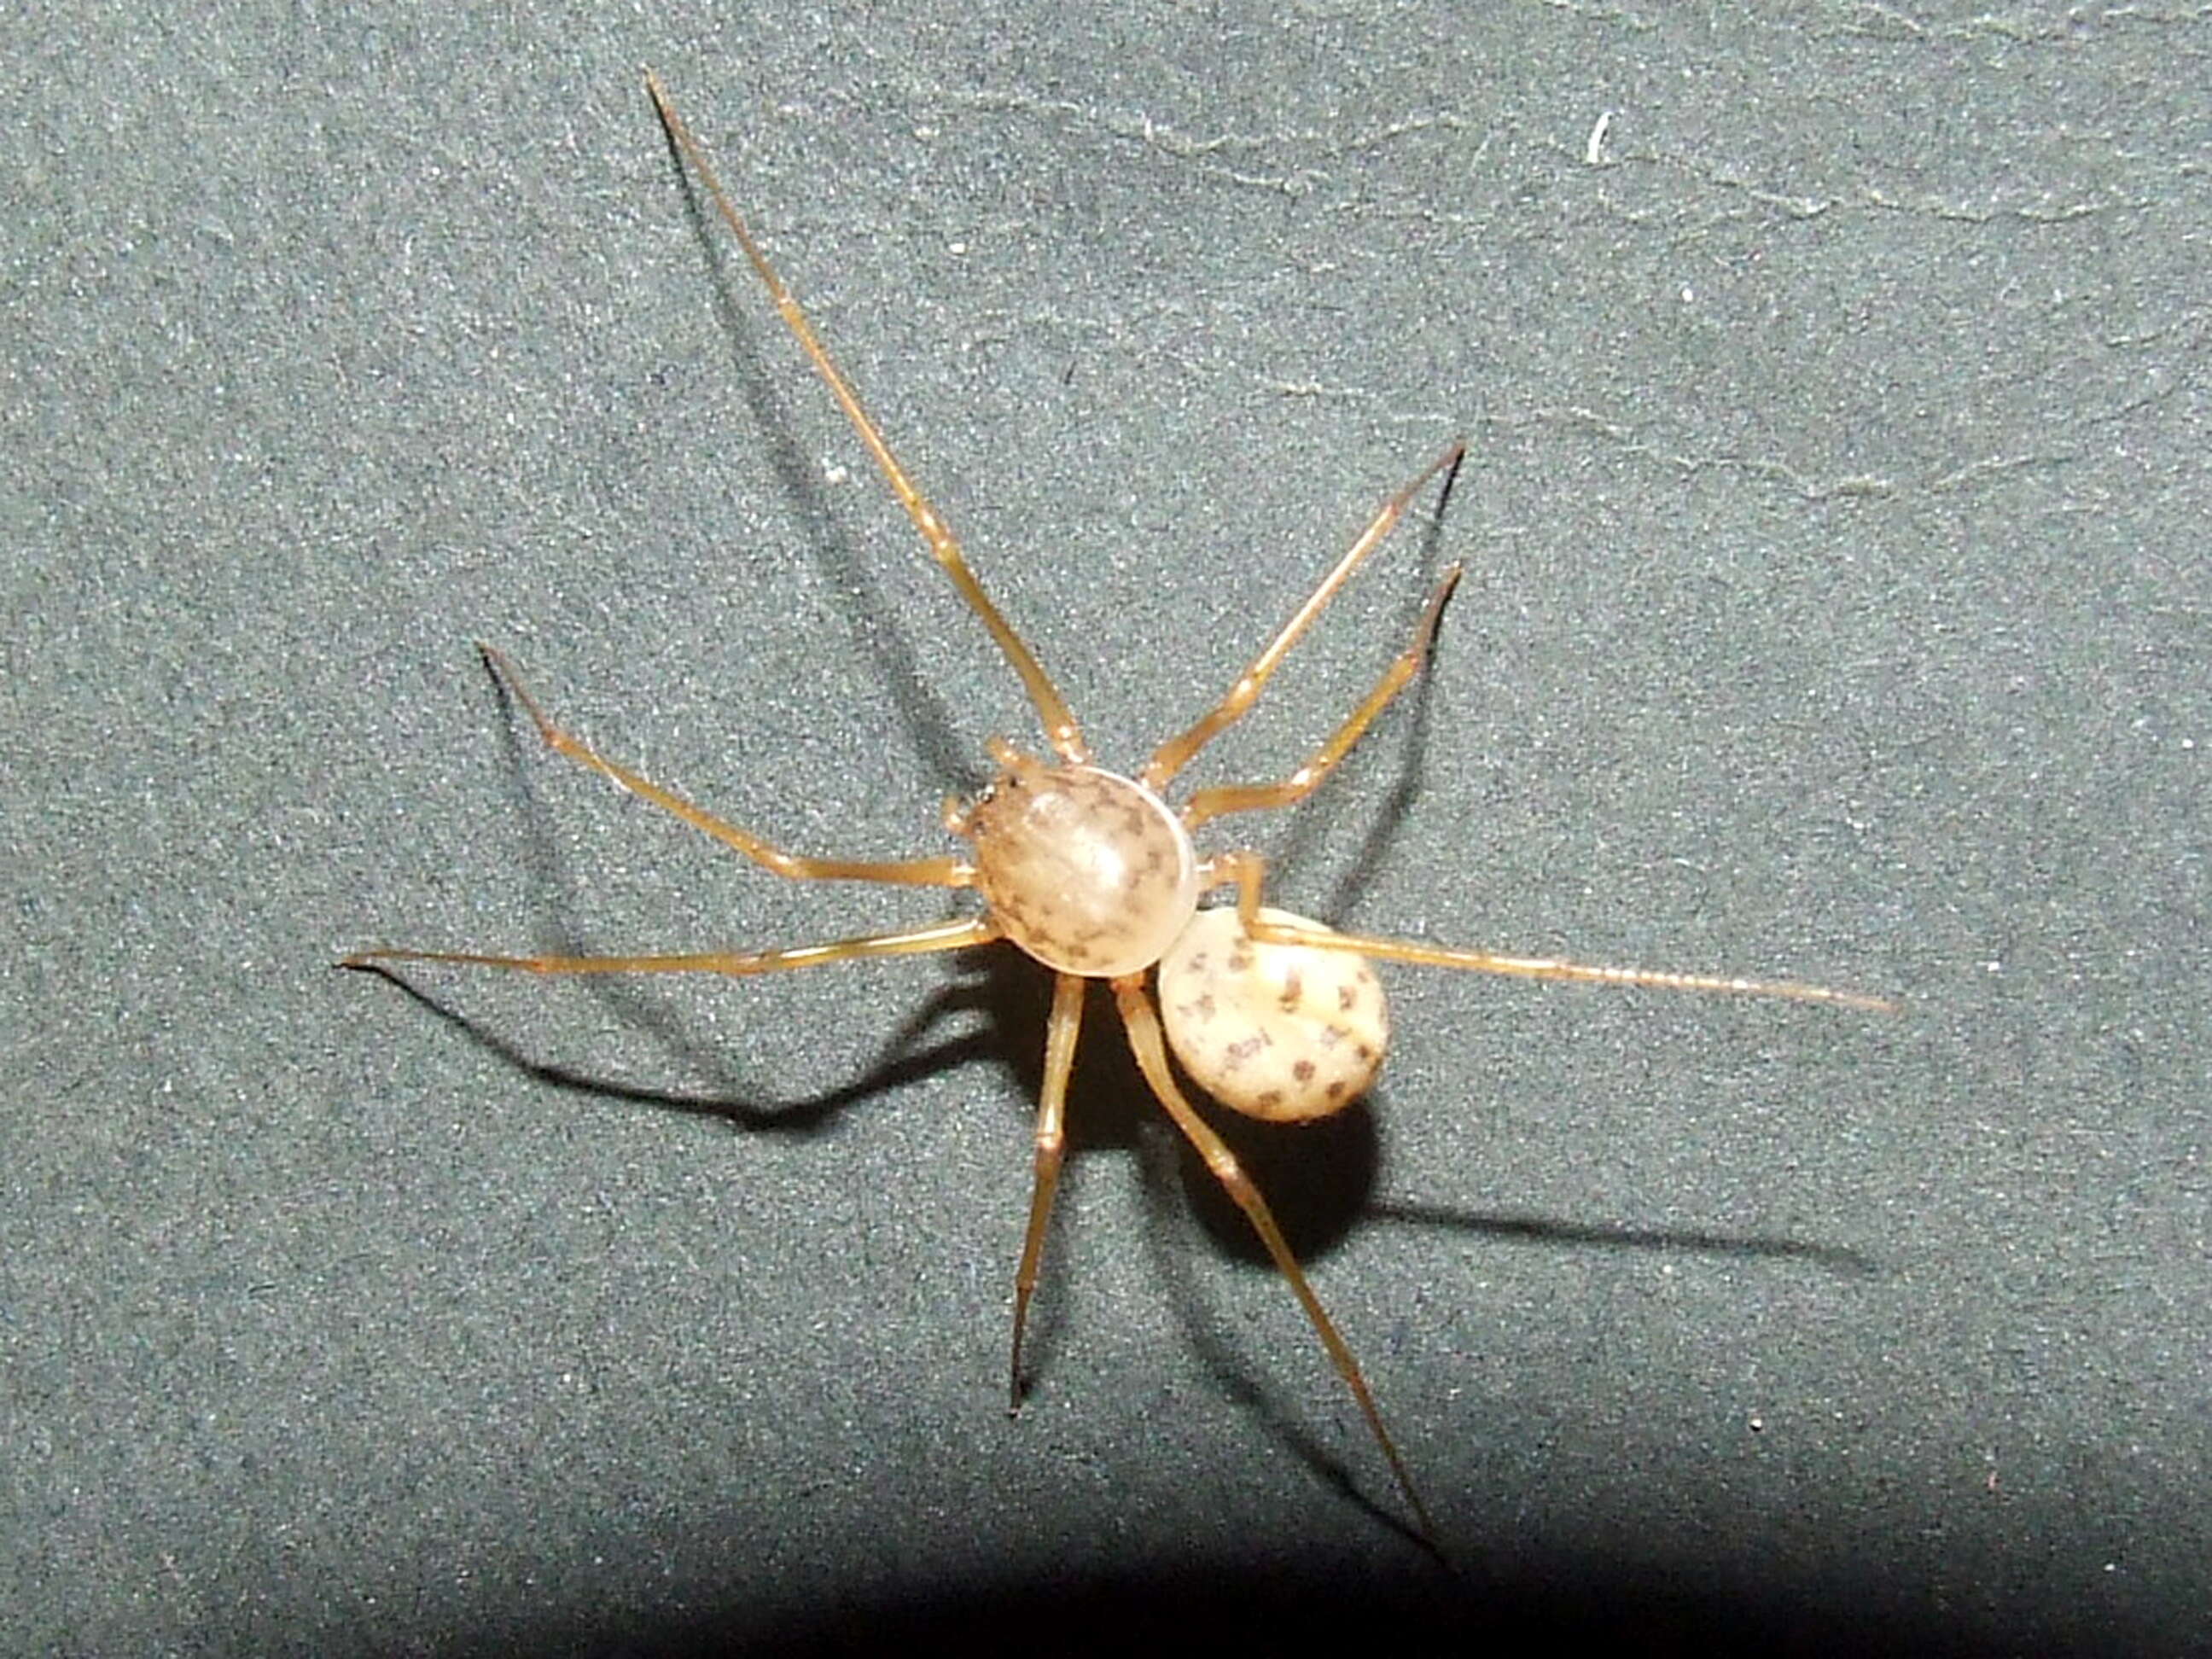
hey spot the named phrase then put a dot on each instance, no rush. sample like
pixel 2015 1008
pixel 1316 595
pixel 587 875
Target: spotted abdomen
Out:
pixel 1283 1032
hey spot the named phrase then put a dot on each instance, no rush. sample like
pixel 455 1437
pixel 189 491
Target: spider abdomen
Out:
pixel 1283 1032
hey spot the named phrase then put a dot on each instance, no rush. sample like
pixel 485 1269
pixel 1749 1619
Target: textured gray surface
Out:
pixel 1836 606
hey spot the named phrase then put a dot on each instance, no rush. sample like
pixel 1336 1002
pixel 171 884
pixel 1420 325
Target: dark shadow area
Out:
pixel 1327 1606
pixel 1317 1177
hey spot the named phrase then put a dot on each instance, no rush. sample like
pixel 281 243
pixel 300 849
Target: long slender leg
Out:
pixel 953 935
pixel 1060 729
pixel 1247 870
pixel 1209 803
pixel 941 871
pixel 1488 962
pixel 1175 753
pixel 1145 1041
pixel 1060 1032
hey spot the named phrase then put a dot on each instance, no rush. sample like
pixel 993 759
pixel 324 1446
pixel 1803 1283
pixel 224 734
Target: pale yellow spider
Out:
pixel 1095 876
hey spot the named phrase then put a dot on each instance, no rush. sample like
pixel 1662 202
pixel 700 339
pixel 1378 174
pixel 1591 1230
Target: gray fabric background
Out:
pixel 1835 601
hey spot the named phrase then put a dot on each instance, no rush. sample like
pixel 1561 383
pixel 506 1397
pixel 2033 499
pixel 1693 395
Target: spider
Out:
pixel 1095 876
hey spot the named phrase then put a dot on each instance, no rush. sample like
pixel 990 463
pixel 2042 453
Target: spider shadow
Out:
pixel 1311 1189
pixel 900 1060
pixel 908 1055
pixel 1311 822
pixel 925 714
pixel 1511 1227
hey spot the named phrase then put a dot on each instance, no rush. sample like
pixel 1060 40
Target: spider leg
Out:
pixel 1175 753
pixel 1490 962
pixel 1248 871
pixel 1146 1043
pixel 942 871
pixel 1061 1030
pixel 1205 805
pixel 1065 737
pixel 954 935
